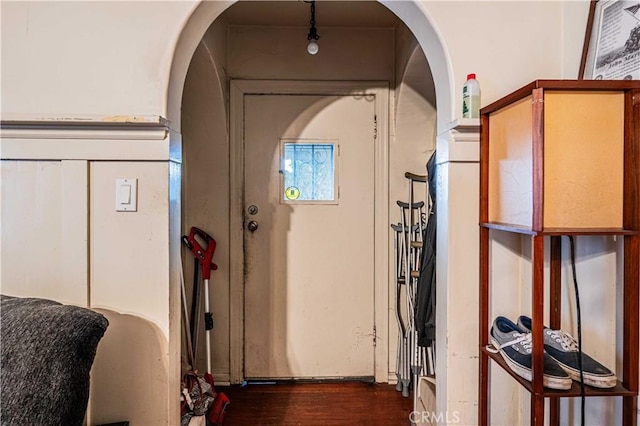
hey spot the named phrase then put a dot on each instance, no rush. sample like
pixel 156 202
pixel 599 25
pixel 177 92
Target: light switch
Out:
pixel 126 195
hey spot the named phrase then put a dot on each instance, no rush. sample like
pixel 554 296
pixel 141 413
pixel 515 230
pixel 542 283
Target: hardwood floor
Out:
pixel 316 404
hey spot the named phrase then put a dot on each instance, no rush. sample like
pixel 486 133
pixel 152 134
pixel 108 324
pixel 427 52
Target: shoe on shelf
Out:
pixel 563 348
pixel 515 347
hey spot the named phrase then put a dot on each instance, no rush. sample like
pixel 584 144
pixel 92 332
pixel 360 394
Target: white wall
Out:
pixel 205 201
pixel 128 48
pixel 502 42
pixel 412 143
pixel 107 58
pixel 414 129
pixel 44 236
pixel 114 59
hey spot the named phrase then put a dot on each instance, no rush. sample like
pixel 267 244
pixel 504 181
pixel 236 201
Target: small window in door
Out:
pixel 309 172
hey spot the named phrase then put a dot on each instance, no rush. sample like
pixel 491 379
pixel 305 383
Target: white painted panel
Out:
pixel 75 228
pixel 129 250
pixel 44 246
pixel 129 279
pixel 457 292
pixel 174 373
pixel 130 375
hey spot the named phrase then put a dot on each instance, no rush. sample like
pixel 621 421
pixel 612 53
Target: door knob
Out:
pixel 252 225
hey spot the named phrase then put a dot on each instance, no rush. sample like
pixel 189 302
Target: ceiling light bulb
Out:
pixel 313 47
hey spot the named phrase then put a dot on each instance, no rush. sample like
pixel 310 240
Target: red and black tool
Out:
pixel 202 245
pixel 203 255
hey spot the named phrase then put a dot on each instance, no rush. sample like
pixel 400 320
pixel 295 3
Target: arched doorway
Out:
pixel 411 13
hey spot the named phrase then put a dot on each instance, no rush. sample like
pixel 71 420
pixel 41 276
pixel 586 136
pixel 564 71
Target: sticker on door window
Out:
pixel 309 172
pixel 292 193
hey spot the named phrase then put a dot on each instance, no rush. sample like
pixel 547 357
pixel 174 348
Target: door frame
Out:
pixel 238 89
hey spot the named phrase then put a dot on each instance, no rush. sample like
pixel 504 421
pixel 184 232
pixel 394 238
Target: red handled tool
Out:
pixel 202 245
pixel 204 255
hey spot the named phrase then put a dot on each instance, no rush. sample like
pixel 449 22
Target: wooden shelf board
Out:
pixel 582 85
pixel 618 390
pixel 430 379
pixel 520 229
pixel 588 231
pixel 509 227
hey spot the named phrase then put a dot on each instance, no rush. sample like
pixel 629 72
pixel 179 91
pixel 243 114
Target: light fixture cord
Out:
pixel 313 34
pixel 313 13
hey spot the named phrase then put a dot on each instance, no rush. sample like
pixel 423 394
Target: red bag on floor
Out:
pixel 219 409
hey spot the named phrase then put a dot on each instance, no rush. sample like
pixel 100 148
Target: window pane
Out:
pixel 308 170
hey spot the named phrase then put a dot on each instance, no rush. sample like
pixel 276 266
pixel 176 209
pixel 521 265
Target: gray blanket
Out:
pixel 47 352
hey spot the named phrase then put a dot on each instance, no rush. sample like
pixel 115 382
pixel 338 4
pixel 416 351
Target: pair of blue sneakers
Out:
pixel 561 356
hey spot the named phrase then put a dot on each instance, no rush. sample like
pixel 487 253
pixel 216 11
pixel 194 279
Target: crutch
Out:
pixel 416 217
pixel 406 277
pixel 398 248
pixel 407 274
pixel 411 274
pixel 413 178
pixel 204 256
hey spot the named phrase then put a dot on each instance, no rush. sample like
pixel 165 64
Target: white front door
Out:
pixel 309 265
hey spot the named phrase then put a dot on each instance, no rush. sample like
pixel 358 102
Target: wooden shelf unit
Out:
pixel 562 157
pixel 618 390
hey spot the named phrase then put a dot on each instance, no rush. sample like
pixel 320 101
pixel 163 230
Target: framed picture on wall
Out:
pixel 612 41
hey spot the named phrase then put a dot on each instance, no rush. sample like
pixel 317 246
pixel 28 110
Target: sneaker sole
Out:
pixel 548 381
pixel 603 382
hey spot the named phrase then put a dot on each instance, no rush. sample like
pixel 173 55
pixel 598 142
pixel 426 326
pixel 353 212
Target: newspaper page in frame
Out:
pixel 617 55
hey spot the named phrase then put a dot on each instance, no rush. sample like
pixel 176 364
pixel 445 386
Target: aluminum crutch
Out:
pixel 399 281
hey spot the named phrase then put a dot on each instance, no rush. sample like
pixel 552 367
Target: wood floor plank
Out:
pixel 316 404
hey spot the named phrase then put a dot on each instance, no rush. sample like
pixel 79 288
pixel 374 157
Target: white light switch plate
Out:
pixel 127 195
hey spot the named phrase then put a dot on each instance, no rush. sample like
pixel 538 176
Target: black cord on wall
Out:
pixel 578 314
